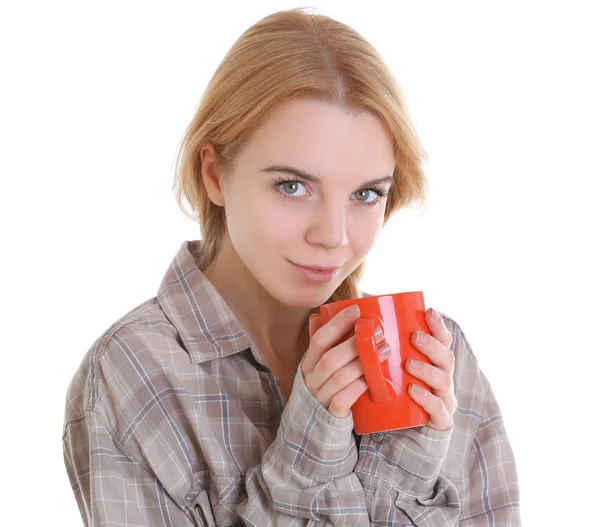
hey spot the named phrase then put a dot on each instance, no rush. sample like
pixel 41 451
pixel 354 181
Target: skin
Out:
pixel 334 222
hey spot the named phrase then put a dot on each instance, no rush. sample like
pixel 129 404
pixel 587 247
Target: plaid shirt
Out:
pixel 173 418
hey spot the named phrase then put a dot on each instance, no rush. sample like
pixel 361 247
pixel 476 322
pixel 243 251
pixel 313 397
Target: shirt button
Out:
pixel 377 436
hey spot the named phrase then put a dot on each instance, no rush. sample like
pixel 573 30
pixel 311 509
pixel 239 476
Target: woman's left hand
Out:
pixel 442 403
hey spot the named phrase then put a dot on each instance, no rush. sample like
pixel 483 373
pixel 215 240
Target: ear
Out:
pixel 211 179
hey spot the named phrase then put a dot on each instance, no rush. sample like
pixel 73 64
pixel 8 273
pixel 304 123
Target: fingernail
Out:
pixel 416 364
pixel 420 337
pixel 378 333
pixel 435 314
pixel 384 350
pixel 416 388
pixel 351 312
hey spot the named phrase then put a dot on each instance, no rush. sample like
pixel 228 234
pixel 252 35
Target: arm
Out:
pixel 462 476
pixel 305 477
pixel 492 492
pixel 113 489
pixel 307 472
pixel 407 467
pixel 402 478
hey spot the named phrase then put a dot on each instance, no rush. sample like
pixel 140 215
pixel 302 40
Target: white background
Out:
pixel 95 99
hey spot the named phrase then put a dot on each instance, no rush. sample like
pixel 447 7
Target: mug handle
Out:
pixel 364 329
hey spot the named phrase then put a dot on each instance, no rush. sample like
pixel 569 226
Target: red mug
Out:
pixel 386 405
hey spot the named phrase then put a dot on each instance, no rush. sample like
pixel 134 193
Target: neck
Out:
pixel 278 330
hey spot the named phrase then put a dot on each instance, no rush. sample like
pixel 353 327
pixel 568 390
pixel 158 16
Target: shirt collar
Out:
pixel 206 325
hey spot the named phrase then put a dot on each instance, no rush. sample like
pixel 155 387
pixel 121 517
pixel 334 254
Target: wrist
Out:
pixel 311 439
pixel 409 460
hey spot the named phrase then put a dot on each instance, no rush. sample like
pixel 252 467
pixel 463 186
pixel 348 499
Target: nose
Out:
pixel 328 227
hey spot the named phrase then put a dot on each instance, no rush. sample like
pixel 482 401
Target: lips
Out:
pixel 316 275
pixel 319 268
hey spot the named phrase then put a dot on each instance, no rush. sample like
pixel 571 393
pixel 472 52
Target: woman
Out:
pixel 222 401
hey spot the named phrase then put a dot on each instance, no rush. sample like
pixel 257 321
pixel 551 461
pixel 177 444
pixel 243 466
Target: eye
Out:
pixel 363 195
pixel 291 188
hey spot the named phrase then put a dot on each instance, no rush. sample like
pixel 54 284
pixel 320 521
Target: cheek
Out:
pixel 363 233
pixel 260 222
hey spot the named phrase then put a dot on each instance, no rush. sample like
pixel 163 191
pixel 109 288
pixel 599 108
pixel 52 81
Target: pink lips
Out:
pixel 316 275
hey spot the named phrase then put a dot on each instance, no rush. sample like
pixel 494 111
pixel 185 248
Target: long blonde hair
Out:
pixel 293 54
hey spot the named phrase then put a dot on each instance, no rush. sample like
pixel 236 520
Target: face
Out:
pixel 309 190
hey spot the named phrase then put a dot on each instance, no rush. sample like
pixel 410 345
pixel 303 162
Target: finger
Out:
pixel 438 380
pixel 329 380
pixel 346 351
pixel 328 335
pixel 328 385
pixel 338 357
pixel 438 328
pixel 434 350
pixel 341 403
pixel 314 323
pixel 439 418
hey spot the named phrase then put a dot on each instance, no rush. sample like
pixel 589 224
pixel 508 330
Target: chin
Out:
pixel 310 296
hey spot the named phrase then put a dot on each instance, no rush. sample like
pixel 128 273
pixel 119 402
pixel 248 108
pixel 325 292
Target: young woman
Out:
pixel 224 400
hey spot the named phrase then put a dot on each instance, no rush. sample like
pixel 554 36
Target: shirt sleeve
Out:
pixel 492 492
pixel 308 471
pixel 402 478
pixel 112 489
pixel 305 477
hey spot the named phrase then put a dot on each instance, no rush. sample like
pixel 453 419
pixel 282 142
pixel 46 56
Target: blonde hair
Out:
pixel 293 54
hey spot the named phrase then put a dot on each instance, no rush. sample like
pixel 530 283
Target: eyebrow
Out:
pixel 314 179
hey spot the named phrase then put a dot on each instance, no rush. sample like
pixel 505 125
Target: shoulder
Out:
pixel 471 386
pixel 461 348
pixel 460 345
pixel 136 342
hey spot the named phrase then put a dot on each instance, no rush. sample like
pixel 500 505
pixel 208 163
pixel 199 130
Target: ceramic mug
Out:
pixel 386 405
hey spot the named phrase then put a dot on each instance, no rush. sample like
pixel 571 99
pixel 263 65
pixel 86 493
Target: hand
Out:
pixel 442 403
pixel 334 374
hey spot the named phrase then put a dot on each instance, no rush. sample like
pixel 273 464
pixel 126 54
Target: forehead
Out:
pixel 325 138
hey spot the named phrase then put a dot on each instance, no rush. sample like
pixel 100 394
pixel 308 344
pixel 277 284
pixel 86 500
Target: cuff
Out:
pixel 409 460
pixel 313 441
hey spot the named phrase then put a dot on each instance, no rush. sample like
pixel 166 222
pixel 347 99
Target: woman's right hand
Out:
pixel 334 374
